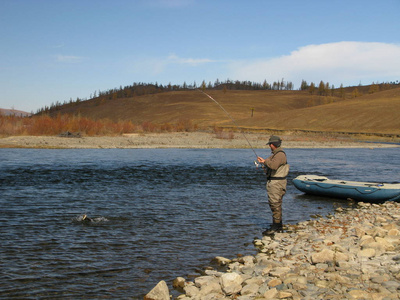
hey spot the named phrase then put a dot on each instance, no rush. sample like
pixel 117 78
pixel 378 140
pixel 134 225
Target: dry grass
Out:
pixel 377 113
pixel 284 110
pixel 170 107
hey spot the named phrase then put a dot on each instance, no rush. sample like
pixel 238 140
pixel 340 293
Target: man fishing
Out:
pixel 277 170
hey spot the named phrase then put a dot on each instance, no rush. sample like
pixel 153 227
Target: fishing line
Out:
pixel 233 120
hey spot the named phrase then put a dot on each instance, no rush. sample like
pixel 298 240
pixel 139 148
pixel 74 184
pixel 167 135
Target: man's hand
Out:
pixel 260 160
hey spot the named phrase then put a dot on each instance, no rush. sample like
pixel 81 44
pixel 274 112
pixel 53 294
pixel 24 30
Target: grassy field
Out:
pixel 376 114
pixel 282 110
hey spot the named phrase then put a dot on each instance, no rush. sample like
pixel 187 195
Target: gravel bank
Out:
pixel 353 254
pixel 178 140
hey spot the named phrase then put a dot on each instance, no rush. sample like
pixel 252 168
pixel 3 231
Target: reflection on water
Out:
pixel 155 214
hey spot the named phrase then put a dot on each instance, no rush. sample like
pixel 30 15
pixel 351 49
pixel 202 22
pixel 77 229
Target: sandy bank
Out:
pixel 179 140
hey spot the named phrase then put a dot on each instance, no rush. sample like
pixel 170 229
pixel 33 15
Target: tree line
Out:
pixel 140 89
pixel 325 89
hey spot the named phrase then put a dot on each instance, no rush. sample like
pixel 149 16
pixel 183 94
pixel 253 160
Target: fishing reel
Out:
pixel 260 165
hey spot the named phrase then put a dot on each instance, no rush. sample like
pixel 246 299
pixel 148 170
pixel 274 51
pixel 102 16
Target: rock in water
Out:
pixel 159 292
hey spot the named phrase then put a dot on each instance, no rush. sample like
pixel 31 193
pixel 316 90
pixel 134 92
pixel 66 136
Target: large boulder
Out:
pixel 327 255
pixel 222 261
pixel 159 292
pixel 231 283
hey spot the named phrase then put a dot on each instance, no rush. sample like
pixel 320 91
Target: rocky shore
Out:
pixel 181 140
pixel 351 254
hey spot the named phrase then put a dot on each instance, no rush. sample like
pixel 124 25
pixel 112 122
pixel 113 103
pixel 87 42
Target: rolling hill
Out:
pixel 377 113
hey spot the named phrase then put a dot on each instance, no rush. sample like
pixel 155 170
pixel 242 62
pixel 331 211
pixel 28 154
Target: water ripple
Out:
pixel 156 214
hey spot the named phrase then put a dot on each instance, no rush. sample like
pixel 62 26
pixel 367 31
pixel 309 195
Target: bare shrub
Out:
pixel 46 125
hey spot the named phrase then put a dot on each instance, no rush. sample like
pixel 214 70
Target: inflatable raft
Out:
pixel 360 191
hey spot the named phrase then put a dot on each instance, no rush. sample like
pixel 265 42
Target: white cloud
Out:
pixel 336 63
pixel 68 58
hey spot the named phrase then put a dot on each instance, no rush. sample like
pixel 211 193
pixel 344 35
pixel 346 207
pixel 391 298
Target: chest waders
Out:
pixel 276 189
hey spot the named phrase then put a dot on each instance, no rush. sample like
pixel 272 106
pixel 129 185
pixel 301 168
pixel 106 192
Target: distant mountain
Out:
pixel 10 112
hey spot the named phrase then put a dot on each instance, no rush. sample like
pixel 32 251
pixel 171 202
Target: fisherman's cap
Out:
pixel 274 139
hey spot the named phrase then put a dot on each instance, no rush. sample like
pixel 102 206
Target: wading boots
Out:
pixel 275 227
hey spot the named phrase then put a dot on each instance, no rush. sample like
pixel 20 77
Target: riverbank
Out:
pixel 182 140
pixel 351 254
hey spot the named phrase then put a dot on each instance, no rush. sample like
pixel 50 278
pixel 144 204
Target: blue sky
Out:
pixel 55 50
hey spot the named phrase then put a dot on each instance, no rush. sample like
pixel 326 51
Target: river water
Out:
pixel 157 213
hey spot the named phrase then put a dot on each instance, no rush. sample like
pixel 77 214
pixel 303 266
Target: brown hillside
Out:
pixel 193 105
pixel 374 113
pixel 283 110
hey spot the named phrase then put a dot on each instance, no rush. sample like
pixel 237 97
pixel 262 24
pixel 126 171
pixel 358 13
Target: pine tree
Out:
pixel 321 88
pixel 312 88
pixel 355 93
pixel 304 86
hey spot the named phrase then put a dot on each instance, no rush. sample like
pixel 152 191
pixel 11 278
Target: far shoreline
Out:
pixel 187 140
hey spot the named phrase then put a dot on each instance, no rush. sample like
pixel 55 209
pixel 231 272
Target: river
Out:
pixel 157 213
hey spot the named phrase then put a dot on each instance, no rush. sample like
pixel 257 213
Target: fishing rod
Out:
pixel 234 122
